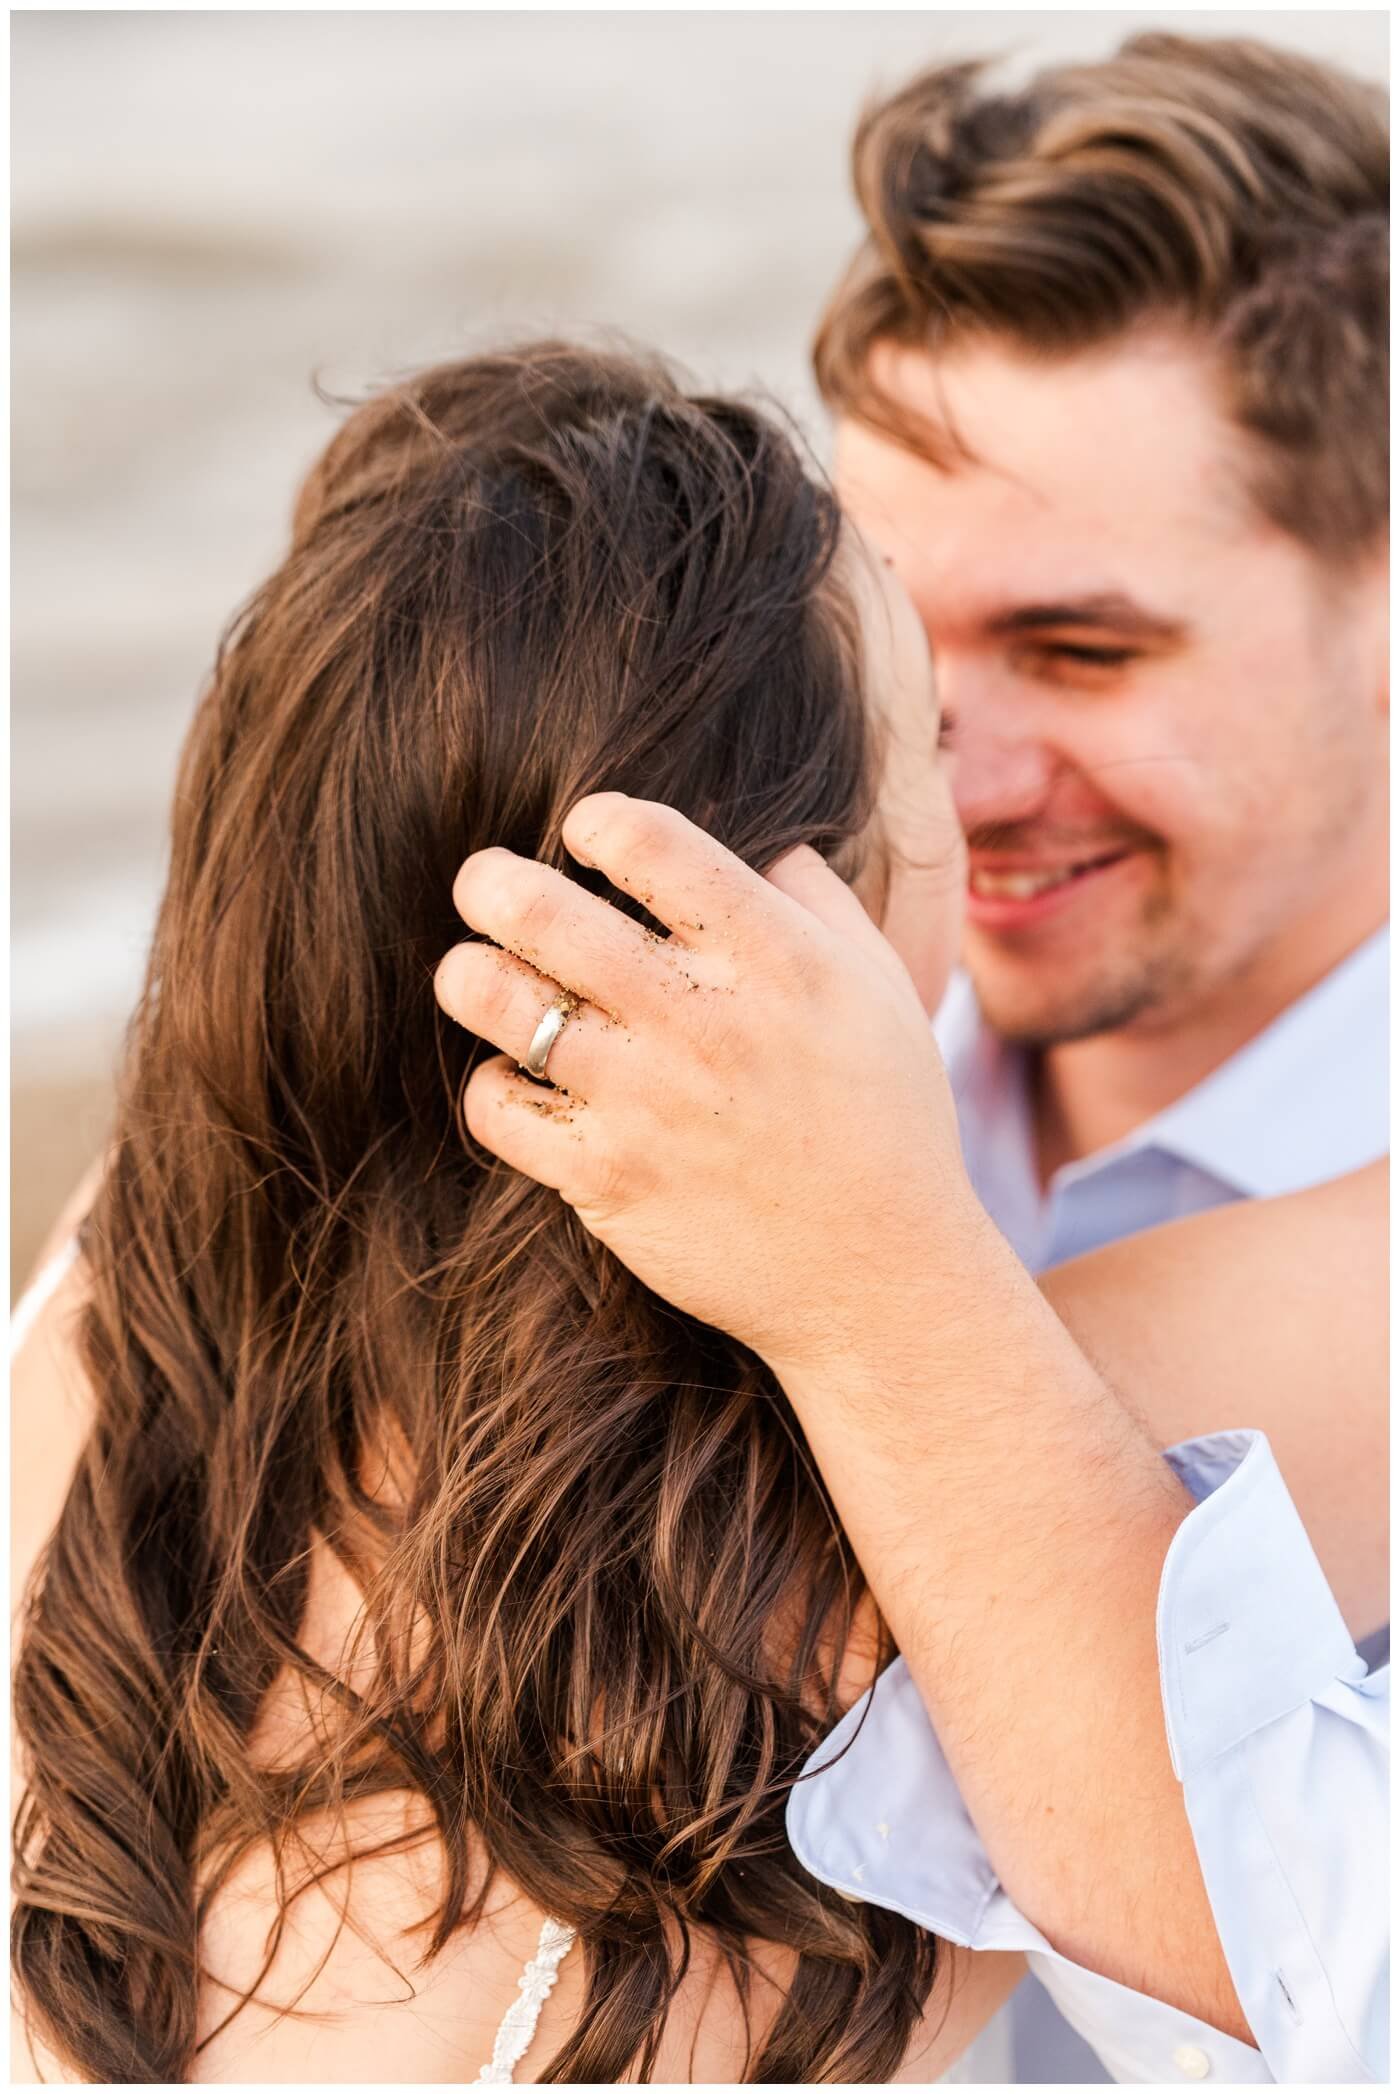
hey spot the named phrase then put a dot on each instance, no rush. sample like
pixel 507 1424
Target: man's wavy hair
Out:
pixel 603 1617
pixel 1239 191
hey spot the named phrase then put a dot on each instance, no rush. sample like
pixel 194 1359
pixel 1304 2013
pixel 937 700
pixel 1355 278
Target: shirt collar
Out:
pixel 1307 1099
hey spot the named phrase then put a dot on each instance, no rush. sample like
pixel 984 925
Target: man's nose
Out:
pixel 1001 773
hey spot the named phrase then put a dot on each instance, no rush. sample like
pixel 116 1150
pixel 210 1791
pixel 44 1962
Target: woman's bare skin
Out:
pixel 1182 1320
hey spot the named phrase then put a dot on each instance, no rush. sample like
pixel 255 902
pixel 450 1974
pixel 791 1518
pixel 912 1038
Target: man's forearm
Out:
pixel 1013 1519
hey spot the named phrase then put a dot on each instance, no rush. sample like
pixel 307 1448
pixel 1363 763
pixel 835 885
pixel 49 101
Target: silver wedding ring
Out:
pixel 547 1032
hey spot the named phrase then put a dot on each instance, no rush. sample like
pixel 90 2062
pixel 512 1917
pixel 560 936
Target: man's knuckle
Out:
pixel 784 989
pixel 534 916
pixel 496 996
pixel 801 972
pixel 603 1185
pixel 718 1039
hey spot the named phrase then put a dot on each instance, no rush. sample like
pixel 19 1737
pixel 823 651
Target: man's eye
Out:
pixel 1095 657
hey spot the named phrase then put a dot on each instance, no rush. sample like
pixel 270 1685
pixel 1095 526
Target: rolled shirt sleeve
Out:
pixel 1279 1739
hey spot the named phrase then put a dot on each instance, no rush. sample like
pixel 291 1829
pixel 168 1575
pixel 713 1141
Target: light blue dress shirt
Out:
pixel 1276 1731
pixel 1306 1100
pixel 1278 1736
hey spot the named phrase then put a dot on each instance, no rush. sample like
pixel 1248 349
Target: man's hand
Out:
pixel 737 1105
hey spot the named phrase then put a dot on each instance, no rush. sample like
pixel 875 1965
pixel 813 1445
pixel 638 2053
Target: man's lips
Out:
pixel 1003 893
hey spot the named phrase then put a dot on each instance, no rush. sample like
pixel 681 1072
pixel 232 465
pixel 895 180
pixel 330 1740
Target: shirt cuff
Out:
pixel 1247 1628
pixel 1280 1742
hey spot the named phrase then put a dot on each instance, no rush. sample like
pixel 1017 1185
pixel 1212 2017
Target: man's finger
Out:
pixel 503 1000
pixel 536 1131
pixel 805 877
pixel 575 938
pixel 705 896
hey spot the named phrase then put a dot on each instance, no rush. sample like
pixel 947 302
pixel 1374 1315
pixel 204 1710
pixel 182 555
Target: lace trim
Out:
pixel 521 2019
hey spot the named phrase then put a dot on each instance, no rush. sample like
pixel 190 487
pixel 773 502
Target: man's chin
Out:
pixel 1028 1018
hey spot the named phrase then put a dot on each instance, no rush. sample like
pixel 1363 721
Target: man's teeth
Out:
pixel 1020 886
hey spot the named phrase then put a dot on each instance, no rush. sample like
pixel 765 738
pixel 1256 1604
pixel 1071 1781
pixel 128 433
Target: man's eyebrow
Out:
pixel 1111 611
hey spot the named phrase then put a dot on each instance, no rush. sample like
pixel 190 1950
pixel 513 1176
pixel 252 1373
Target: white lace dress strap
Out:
pixel 47 1282
pixel 522 2015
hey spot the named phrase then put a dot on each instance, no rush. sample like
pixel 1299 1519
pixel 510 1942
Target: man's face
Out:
pixel 1167 718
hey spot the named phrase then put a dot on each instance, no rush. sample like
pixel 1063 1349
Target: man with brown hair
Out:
pixel 1109 373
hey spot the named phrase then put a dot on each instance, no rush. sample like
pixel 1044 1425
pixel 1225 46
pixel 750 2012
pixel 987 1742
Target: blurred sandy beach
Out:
pixel 212 209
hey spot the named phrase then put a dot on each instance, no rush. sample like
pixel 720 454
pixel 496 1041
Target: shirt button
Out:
pixel 851 1897
pixel 1191 2061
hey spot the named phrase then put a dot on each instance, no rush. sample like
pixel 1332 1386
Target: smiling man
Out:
pixel 1109 373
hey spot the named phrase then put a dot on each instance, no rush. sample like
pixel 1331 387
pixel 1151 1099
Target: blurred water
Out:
pixel 209 208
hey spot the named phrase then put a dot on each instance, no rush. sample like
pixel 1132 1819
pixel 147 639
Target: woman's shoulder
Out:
pixel 348 1962
pixel 51 1401
pixel 314 1962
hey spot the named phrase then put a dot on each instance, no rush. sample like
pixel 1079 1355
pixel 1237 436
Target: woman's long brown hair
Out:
pixel 603 1619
